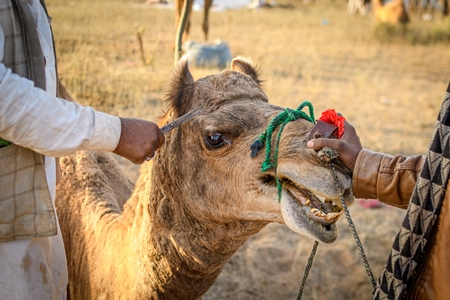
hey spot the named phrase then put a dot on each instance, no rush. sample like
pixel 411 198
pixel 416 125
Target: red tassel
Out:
pixel 330 116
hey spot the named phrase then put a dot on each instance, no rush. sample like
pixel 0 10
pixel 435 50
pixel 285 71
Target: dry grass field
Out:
pixel 388 82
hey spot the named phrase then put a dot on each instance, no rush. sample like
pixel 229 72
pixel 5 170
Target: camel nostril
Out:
pixel 268 180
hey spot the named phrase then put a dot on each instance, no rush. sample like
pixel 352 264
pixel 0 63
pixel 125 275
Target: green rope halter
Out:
pixel 265 138
pixel 4 143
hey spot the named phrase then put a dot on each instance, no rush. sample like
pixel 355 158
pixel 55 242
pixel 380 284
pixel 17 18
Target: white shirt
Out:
pixel 35 119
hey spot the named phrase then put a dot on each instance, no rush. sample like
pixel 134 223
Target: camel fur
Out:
pixel 196 202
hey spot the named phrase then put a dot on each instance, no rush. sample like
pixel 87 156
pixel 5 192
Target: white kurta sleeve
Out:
pixel 34 119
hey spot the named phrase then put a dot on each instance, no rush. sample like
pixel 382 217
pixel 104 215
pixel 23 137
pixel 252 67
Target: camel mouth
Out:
pixel 310 213
pixel 318 208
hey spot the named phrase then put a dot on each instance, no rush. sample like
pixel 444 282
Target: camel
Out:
pixel 198 200
pixel 179 10
pixel 393 12
pixel 257 4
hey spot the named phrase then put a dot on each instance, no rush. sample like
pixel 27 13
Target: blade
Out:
pixel 165 129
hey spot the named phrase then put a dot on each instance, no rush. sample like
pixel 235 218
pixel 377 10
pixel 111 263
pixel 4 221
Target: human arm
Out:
pixel 390 179
pixel 34 119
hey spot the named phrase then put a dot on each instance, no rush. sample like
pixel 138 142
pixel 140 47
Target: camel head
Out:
pixel 207 161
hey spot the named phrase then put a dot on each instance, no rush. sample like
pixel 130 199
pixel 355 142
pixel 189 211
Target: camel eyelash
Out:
pixel 216 140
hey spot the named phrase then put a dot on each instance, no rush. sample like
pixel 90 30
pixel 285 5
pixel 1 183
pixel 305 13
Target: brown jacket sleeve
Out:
pixel 390 179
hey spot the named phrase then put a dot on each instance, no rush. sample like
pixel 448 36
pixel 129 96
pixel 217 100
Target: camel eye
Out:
pixel 215 140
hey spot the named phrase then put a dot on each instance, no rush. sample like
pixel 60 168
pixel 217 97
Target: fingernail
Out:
pixel 310 144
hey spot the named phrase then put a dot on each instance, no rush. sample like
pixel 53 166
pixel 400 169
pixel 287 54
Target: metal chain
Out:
pixel 326 155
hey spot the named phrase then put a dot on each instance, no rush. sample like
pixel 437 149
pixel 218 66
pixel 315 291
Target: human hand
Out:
pixel 348 146
pixel 139 139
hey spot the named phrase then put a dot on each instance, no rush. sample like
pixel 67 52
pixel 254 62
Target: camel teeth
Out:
pixel 308 202
pixel 332 216
pixel 319 214
pixel 313 210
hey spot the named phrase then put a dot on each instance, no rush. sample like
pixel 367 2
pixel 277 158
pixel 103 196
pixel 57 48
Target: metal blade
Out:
pixel 165 129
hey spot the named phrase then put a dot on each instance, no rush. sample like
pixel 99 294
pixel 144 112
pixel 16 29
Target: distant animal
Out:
pixel 200 198
pixel 393 12
pixel 216 55
pixel 179 4
pixel 358 6
pixel 256 4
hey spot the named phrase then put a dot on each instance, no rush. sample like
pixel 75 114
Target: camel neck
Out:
pixel 191 261
pixel 187 252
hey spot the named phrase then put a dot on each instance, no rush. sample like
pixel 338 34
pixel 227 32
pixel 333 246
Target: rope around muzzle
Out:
pixel 265 138
pixel 326 155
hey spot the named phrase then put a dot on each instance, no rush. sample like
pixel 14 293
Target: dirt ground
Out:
pixel 271 264
pixel 390 90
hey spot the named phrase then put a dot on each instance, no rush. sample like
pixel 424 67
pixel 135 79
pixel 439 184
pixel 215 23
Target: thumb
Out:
pixel 318 144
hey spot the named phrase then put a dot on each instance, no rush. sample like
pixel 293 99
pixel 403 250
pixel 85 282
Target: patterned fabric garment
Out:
pixel 408 250
pixel 26 208
pixel 22 51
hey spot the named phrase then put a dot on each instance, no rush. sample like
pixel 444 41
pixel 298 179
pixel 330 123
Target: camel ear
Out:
pixel 181 88
pixel 244 65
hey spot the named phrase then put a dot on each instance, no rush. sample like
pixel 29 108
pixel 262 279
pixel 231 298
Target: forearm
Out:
pixel 390 179
pixel 34 119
